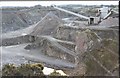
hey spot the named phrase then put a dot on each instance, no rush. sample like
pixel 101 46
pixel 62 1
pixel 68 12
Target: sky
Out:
pixel 48 3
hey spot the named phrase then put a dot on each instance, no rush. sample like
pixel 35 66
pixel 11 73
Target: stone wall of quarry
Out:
pixel 69 33
pixel 58 53
pixel 49 49
pixel 65 33
pixel 68 45
pixel 15 41
pixel 95 50
pixel 98 54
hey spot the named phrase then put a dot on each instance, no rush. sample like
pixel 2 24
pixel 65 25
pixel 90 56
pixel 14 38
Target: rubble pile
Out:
pixel 11 22
pixel 88 51
pixel 110 21
pixel 47 25
pixel 19 19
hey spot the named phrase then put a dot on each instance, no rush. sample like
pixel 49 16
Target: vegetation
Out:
pixel 23 70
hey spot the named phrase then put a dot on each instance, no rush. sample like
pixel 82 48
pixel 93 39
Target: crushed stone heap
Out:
pixel 47 25
pixel 12 22
pixel 110 22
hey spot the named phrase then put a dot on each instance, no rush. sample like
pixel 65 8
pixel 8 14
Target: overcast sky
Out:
pixel 48 3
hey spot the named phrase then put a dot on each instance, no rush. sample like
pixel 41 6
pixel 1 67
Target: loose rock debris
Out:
pixel 81 51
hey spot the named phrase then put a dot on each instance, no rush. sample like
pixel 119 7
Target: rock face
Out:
pixel 81 43
pixel 85 51
pixel 55 48
pixel 93 49
pixel 66 33
pixel 15 41
pixel 99 53
pixel 69 32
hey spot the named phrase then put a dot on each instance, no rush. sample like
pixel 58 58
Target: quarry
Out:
pixel 80 41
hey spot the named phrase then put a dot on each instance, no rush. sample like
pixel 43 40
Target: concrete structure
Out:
pixel 94 20
pixel 104 11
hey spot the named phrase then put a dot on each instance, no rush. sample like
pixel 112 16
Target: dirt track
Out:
pixel 16 54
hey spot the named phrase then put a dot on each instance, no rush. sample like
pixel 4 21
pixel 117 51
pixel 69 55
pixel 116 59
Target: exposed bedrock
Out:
pixel 52 47
pixel 69 32
pixel 98 52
